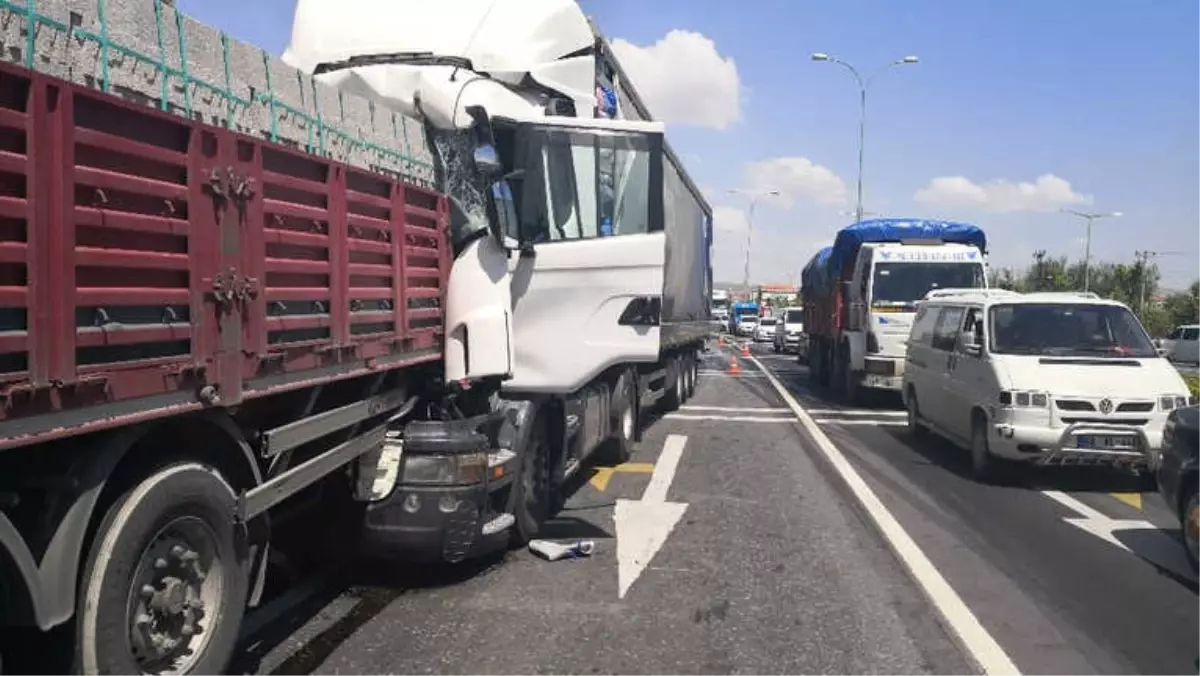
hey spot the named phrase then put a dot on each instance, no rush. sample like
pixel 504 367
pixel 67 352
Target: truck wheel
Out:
pixel 532 496
pixel 625 419
pixel 672 381
pixel 689 376
pixel 165 583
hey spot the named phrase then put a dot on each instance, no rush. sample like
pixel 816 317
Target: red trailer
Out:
pixel 195 326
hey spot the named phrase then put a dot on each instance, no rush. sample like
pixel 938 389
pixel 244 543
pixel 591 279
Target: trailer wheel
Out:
pixel 165 584
pixel 672 385
pixel 690 364
pixel 533 490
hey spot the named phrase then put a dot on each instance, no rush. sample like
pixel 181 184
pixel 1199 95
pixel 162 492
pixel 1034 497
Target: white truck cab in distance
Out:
pixel 1040 378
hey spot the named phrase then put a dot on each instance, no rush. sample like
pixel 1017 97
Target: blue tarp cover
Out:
pixel 851 237
pixel 812 277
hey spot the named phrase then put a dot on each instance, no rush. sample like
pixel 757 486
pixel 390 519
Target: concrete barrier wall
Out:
pixel 145 51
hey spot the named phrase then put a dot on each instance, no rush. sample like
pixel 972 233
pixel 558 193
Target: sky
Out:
pixel 1015 110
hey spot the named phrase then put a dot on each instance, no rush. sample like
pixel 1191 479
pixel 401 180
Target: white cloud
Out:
pixel 684 80
pixel 794 177
pixel 1047 193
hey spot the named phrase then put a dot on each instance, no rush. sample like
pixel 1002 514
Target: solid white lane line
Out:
pixel 738 409
pixel 955 614
pixel 730 418
pixel 840 421
pixel 856 412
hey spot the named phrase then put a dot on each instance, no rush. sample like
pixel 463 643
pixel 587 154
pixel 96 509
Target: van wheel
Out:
pixel 165 584
pixel 915 429
pixel 531 503
pixel 983 463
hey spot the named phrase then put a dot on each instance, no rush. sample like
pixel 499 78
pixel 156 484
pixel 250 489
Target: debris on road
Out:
pixel 553 551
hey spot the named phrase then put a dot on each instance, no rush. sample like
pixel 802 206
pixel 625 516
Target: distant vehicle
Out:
pixel 787 334
pixel 860 295
pixel 739 310
pixel 1183 344
pixel 1177 474
pixel 765 331
pixel 1041 378
pixel 746 325
pixel 720 306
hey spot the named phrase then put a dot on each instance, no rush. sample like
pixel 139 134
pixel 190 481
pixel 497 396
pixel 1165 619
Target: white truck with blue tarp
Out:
pixel 860 295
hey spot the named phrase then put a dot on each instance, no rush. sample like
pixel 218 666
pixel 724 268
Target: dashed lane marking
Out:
pixel 738 409
pixel 957 617
pixel 856 412
pixel 878 423
pixel 730 418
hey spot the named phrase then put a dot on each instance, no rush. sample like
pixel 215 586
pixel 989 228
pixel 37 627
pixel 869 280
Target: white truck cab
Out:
pixel 1040 378
pixel 889 280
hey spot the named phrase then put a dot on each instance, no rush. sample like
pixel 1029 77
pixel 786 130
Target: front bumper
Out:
pixel 452 518
pixel 1061 446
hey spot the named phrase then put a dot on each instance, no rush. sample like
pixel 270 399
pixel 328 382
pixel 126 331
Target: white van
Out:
pixel 1043 378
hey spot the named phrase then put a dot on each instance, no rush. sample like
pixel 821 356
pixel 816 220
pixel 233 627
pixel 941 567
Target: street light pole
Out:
pixel 1087 246
pixel 862 114
pixel 1143 258
pixel 750 226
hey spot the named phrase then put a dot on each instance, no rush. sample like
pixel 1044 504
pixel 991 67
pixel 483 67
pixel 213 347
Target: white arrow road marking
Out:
pixel 1160 551
pixel 642 526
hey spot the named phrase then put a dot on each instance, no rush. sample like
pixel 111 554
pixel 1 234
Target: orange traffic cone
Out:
pixel 745 349
pixel 734 367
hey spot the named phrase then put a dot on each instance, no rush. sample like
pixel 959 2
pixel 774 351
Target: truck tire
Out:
pixel 166 579
pixel 625 419
pixel 690 364
pixel 533 493
pixel 672 395
pixel 846 384
pixel 1189 523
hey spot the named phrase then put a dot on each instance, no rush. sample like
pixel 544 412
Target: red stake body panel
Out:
pixel 151 264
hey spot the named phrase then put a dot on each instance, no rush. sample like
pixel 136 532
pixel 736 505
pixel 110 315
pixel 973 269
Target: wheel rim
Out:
pixel 1191 525
pixel 175 597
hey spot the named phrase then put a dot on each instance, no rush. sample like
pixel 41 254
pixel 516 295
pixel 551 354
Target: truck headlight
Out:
pixel 445 470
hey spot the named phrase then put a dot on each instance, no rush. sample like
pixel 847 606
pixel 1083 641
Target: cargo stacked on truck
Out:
pixel 860 295
pixel 606 237
pixel 223 283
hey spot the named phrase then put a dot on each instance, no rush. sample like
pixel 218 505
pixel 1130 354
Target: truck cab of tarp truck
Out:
pixel 872 280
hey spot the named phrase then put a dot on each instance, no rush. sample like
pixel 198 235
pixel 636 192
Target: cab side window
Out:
pixel 945 331
pixel 1176 334
pixel 1191 334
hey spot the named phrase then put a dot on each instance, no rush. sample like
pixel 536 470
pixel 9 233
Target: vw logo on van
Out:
pixel 1106 406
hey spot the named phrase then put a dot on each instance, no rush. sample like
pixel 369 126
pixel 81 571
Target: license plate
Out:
pixel 1106 442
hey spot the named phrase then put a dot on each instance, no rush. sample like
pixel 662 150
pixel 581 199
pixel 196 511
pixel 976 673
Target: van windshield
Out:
pixel 1068 330
pixel 767 321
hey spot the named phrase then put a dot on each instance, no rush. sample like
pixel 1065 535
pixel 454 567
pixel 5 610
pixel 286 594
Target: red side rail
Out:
pixel 151 264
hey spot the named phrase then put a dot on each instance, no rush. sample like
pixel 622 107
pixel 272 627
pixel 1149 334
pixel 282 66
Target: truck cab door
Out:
pixel 587 293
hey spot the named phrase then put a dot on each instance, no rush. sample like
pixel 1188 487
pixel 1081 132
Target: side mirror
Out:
pixel 969 343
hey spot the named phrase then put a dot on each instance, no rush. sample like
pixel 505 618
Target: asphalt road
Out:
pixel 1094 596
pixel 772 568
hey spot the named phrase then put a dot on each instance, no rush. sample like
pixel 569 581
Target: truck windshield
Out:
pixel 794 317
pixel 1068 330
pixel 902 284
pixel 584 183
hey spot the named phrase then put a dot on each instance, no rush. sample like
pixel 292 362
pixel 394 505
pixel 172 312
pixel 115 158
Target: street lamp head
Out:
pixel 1116 213
pixel 773 193
pixel 909 59
pixel 820 56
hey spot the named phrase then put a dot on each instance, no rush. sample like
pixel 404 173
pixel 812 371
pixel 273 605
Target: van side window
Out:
pixel 1176 334
pixel 1191 334
pixel 945 331
pixel 922 331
